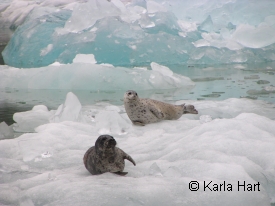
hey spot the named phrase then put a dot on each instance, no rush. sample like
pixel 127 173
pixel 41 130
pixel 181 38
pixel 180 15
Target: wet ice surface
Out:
pixel 45 167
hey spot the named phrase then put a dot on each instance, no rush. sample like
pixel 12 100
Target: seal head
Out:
pixel 105 145
pixel 131 95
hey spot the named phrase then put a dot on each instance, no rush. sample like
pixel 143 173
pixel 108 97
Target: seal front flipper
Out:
pixel 156 112
pixel 121 173
pixel 136 122
pixel 189 109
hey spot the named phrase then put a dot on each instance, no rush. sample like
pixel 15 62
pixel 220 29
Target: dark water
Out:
pixel 14 100
pixel 2 47
pixel 7 109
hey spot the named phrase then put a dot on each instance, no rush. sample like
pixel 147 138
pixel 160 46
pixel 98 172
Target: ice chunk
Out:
pixel 259 92
pixel 161 69
pixel 29 120
pixel 154 7
pixel 263 82
pixel 84 58
pixel 168 75
pixel 91 77
pixel 252 77
pixel 69 111
pixel 85 15
pixel 187 26
pixel 269 88
pixel 201 42
pixel 213 95
pixel 111 122
pixel 145 22
pixel 46 50
pixel 207 24
pixel 39 115
pixel 5 131
pixel 254 37
pixel 154 170
pixel 41 24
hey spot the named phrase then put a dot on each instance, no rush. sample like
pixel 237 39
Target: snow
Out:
pixel 46 167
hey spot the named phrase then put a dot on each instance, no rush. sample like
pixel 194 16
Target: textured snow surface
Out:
pixel 45 167
pixel 138 32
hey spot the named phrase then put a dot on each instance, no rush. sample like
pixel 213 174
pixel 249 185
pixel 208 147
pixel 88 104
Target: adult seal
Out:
pixel 145 111
pixel 106 157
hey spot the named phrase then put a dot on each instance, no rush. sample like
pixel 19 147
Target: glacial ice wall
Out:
pixel 138 32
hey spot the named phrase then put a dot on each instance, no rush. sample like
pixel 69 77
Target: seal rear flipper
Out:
pixel 189 109
pixel 128 157
pixel 121 173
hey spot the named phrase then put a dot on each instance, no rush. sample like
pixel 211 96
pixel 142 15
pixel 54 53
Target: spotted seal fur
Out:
pixel 145 111
pixel 106 157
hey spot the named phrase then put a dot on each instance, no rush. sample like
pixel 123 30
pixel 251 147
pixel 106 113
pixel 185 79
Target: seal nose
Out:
pixel 111 143
pixel 112 140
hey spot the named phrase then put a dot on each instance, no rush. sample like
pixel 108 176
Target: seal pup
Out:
pixel 106 157
pixel 145 111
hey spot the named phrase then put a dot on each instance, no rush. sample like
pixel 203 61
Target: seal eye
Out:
pixel 130 93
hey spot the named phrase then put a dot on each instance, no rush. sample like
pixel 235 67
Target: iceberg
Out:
pixel 27 121
pixel 6 131
pixel 69 111
pixel 119 32
pixel 93 77
pixel 235 148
